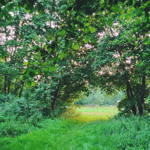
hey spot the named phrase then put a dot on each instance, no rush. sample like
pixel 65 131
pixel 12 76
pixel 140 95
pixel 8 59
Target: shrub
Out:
pixel 33 106
pixel 6 98
pixel 14 128
pixel 147 104
pixel 99 97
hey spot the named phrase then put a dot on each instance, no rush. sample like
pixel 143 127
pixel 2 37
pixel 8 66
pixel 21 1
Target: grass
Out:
pixel 89 113
pixel 64 134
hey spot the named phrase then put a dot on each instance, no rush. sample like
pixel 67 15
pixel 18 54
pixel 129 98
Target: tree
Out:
pixel 45 42
pixel 122 56
pixel 69 44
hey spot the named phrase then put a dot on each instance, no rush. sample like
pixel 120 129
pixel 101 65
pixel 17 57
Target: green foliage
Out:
pixel 14 128
pixel 40 99
pixel 120 61
pixel 20 109
pixel 33 106
pixel 147 104
pixel 6 98
pixel 51 53
pixel 99 97
pixel 87 6
pixel 12 107
pixel 42 47
pixel 120 133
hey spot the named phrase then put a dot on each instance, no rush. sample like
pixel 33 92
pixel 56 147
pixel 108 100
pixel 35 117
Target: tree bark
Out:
pixel 5 85
pixel 142 96
pixel 21 89
pixel 130 97
pixel 54 98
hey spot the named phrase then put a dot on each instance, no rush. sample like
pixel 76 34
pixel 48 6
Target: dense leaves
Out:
pixel 122 57
pixel 57 49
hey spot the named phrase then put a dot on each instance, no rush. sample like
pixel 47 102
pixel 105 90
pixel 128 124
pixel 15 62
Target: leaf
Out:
pixel 92 29
pixel 62 55
pixel 86 39
pixel 52 68
pixel 75 46
pixel 87 24
pixel 62 33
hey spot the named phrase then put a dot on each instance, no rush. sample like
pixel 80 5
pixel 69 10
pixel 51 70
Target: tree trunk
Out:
pixel 142 96
pixel 5 85
pixel 54 98
pixel 5 81
pixel 21 89
pixel 131 97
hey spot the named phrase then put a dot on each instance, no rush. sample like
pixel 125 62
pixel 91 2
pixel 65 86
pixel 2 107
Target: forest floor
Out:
pixel 81 132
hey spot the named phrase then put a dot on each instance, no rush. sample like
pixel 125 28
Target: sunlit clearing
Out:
pixel 88 113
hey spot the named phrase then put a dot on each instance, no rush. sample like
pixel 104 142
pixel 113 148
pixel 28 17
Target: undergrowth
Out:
pixel 122 133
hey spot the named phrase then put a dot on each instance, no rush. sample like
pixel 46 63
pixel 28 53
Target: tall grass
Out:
pixel 116 134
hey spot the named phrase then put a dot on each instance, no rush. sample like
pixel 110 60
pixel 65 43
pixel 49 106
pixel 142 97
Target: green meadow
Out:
pixel 92 113
pixel 83 133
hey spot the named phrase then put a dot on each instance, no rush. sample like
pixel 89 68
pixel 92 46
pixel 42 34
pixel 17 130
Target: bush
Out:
pixel 20 109
pixel 6 98
pixel 99 97
pixel 19 115
pixel 125 105
pixel 14 128
pixel 147 104
pixel 33 106
pixel 40 98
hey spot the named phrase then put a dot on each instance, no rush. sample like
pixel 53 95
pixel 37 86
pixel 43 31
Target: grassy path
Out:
pixel 64 134
pixel 88 113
